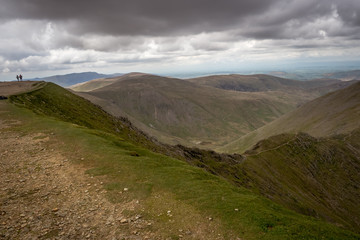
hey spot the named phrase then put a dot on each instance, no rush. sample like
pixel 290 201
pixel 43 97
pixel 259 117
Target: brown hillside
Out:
pixel 335 113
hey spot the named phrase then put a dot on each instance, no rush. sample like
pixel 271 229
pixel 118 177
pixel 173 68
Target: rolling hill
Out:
pixel 260 83
pixel 335 113
pixel 177 111
pixel 119 154
pixel 346 75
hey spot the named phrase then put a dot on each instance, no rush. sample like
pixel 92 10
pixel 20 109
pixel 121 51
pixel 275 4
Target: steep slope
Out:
pixel 335 113
pixel 322 90
pixel 317 177
pixel 177 111
pixel 313 176
pixel 169 193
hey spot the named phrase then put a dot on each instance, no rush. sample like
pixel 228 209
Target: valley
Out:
pixel 199 112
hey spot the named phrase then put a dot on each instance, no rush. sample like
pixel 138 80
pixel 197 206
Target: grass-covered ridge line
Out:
pixel 54 101
pixel 314 176
pixel 150 174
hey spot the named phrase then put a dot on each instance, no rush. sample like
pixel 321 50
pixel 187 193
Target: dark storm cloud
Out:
pixel 255 18
pixel 350 12
pixel 136 17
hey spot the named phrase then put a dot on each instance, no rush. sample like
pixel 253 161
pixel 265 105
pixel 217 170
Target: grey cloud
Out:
pixel 11 55
pixel 15 51
pixel 210 46
pixel 252 18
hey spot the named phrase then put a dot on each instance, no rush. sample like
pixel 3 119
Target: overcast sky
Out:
pixel 47 37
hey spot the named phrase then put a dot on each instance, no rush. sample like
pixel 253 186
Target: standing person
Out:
pixel 20 77
pixel 17 77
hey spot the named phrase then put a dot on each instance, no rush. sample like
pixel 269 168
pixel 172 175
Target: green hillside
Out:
pixel 179 112
pixel 197 199
pixel 316 177
pixel 335 113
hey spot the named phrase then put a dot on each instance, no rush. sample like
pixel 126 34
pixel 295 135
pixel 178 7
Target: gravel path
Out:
pixel 45 196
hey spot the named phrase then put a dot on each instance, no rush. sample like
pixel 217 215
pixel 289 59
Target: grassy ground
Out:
pixel 206 204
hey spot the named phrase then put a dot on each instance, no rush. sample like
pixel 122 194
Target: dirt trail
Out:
pixel 44 196
pixel 271 149
pixel 10 88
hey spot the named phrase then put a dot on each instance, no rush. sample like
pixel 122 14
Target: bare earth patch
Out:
pixel 44 196
pixel 11 88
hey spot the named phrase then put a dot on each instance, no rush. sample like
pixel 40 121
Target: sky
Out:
pixel 48 37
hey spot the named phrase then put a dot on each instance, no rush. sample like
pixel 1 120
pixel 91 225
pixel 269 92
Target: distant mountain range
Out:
pixel 75 78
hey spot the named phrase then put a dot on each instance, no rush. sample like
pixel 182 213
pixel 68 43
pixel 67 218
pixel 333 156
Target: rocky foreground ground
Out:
pixel 44 196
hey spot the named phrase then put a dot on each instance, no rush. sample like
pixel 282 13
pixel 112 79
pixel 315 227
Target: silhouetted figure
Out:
pixel 17 77
pixel 20 77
